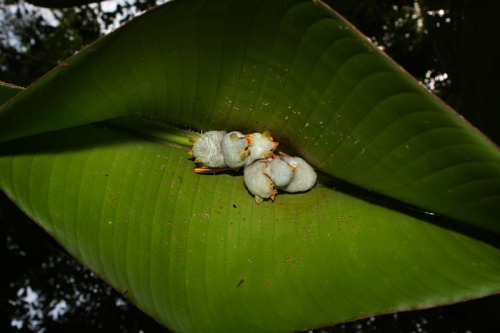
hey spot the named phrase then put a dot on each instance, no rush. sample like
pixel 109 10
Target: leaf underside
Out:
pixel 194 251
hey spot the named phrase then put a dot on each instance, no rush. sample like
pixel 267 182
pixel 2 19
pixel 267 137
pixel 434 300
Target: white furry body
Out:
pixel 304 176
pixel 257 181
pixel 234 149
pixel 207 150
pixel 279 171
pixel 261 145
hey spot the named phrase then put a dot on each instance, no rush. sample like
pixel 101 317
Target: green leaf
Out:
pixel 194 251
pixel 197 254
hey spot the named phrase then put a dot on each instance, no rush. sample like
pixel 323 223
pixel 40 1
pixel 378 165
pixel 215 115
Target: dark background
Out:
pixel 450 46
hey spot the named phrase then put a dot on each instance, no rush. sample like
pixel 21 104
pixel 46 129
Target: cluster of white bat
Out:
pixel 264 172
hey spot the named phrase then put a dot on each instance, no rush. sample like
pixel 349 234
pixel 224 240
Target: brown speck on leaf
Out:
pixel 239 283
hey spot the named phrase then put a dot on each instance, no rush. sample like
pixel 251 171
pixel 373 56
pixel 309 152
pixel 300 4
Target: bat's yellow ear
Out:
pixel 243 154
pixel 269 154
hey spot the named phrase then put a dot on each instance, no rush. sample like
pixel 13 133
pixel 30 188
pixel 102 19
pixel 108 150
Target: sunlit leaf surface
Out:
pixel 194 251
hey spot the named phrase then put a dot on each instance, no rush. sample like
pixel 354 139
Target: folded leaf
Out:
pixel 7 91
pixel 298 70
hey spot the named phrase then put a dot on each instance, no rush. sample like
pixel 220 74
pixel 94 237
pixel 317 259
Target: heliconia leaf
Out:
pixel 87 153
pixel 196 252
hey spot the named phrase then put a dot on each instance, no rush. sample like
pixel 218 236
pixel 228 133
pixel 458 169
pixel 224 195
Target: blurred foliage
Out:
pixel 450 46
pixel 32 42
pixel 395 26
pixel 46 290
pixel 30 46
